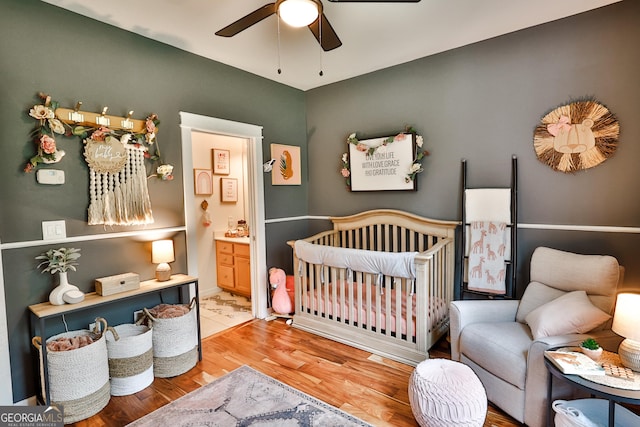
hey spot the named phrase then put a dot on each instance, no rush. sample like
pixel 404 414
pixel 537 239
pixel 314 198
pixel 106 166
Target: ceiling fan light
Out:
pixel 298 13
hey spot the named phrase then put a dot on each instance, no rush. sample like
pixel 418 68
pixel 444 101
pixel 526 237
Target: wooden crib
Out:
pixel 379 309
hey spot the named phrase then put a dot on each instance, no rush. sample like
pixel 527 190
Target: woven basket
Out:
pixel 130 351
pixel 590 413
pixel 175 343
pixel 78 379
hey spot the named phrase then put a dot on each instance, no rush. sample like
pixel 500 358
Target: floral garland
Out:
pixel 48 125
pixel 416 166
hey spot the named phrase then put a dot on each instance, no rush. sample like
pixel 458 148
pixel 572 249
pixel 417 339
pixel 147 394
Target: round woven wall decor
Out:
pixel 576 136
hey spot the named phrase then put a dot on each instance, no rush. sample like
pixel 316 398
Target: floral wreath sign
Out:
pixel 386 163
pixel 115 151
pixel 576 136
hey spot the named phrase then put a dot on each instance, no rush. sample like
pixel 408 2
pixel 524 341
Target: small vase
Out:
pixel 57 294
pixel 593 354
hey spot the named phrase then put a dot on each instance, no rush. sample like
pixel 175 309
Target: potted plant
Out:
pixel 61 261
pixel 591 348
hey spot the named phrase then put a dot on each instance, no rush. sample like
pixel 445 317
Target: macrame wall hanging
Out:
pixel 115 150
pixel 118 183
pixel 576 136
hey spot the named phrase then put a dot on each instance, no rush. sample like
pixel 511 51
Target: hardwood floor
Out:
pixel 367 386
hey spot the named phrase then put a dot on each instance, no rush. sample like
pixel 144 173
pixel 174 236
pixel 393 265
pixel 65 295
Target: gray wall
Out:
pixel 482 102
pixel 73 58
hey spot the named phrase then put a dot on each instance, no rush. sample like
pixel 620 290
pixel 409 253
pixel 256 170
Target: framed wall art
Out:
pixel 286 169
pixel 202 182
pixel 384 163
pixel 228 190
pixel 221 161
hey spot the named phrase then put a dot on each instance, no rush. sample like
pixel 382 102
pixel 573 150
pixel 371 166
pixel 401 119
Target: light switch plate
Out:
pixel 52 230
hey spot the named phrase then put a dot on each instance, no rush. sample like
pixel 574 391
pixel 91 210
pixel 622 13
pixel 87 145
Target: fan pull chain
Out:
pixel 279 69
pixel 320 34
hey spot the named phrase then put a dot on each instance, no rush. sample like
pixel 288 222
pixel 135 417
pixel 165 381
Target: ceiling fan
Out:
pixel 311 10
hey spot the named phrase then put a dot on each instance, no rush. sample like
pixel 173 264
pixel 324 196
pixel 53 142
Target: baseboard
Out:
pixel 209 292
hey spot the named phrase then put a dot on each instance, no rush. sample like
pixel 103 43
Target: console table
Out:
pixel 42 312
pixel 612 394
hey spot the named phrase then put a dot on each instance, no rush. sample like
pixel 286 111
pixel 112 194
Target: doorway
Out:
pixel 251 136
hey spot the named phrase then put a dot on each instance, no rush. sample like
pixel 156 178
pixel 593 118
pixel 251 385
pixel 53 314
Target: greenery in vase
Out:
pixel 59 260
pixel 590 344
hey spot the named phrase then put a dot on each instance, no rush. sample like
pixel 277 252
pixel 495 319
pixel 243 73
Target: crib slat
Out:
pixel 399 287
pixel 341 298
pixel 366 320
pixel 388 309
pixel 373 290
pixel 320 305
pixel 352 313
pixel 328 280
pixel 336 277
pixel 411 332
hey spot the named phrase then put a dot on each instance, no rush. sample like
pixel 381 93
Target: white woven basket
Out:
pixel 130 351
pixel 78 379
pixel 175 343
pixel 591 413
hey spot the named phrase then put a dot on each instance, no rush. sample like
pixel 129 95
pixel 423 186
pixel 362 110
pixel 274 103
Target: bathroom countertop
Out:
pixel 223 238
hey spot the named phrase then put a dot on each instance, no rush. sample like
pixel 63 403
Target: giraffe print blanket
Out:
pixel 486 257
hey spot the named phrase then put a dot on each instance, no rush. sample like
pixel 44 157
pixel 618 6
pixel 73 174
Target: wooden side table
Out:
pixel 612 394
pixel 40 313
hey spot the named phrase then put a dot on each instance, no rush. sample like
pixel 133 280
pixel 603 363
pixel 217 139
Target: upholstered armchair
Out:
pixel 570 297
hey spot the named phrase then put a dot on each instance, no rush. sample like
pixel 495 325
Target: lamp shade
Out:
pixel 162 251
pixel 626 320
pixel 298 13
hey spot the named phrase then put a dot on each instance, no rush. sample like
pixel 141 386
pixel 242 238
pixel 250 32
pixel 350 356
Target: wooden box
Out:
pixel 119 283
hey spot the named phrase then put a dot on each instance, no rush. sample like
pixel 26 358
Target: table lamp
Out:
pixel 626 321
pixel 162 254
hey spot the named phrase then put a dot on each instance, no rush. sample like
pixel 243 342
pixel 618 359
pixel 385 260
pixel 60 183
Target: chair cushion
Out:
pixel 570 313
pixel 555 272
pixel 595 274
pixel 500 348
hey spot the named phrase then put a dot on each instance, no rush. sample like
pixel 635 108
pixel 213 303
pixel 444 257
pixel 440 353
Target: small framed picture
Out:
pixel 286 170
pixel 203 182
pixel 220 161
pixel 228 190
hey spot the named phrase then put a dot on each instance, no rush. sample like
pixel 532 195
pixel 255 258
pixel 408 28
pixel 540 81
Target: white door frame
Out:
pixel 193 122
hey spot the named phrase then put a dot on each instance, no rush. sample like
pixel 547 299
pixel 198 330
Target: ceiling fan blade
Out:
pixel 328 39
pixel 247 21
pixel 374 1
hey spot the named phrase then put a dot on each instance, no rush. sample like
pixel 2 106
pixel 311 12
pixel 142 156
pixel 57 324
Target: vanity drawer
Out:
pixel 226 259
pixel 226 247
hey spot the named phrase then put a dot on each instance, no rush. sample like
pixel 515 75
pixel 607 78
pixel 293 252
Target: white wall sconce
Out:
pixel 268 166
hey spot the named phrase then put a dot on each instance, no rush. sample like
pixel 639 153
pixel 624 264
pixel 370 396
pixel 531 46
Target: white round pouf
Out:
pixel 444 393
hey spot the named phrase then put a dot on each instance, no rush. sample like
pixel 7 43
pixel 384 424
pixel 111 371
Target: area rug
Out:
pixel 222 311
pixel 246 397
pixel 225 304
